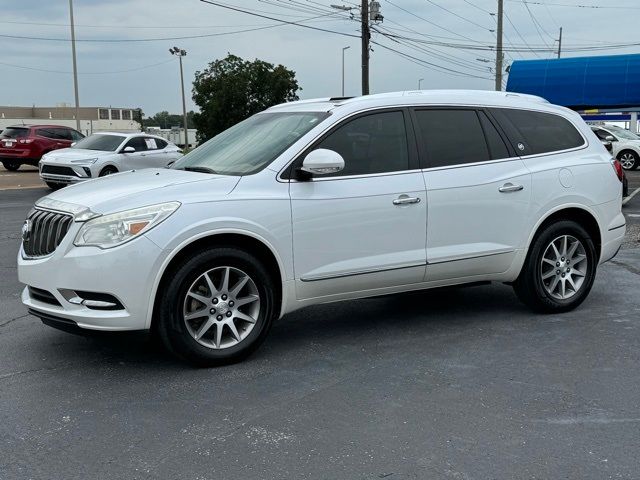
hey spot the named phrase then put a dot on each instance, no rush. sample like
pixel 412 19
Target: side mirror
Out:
pixel 322 162
pixel 610 138
pixel 128 150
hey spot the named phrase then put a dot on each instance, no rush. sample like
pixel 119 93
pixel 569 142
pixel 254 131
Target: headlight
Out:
pixel 85 161
pixel 115 229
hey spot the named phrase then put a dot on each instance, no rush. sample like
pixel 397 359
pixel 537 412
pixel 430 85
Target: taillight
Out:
pixel 617 167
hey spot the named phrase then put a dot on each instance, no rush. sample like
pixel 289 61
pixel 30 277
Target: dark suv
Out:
pixel 25 144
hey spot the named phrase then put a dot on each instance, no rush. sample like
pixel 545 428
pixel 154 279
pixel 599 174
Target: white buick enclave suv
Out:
pixel 324 200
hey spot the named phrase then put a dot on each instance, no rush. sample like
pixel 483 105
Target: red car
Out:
pixel 25 144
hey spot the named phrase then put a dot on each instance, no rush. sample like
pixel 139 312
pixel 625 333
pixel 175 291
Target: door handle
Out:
pixel 406 200
pixel 510 187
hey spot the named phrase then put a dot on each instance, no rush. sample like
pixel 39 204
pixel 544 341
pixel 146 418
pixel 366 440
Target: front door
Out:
pixel 137 159
pixel 478 192
pixel 364 228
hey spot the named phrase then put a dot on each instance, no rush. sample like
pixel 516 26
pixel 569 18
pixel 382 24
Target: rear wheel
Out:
pixel 629 160
pixel 217 307
pixel 54 185
pixel 108 171
pixel 559 270
pixel 11 166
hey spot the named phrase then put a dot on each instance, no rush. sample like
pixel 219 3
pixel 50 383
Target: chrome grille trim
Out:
pixel 48 228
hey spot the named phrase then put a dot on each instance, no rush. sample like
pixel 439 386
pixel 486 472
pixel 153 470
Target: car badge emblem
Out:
pixel 26 230
pixel 521 146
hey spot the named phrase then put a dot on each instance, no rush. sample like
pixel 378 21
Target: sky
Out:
pixel 119 72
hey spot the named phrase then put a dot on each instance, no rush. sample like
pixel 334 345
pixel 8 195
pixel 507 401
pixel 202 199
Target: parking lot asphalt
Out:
pixel 461 383
pixel 25 177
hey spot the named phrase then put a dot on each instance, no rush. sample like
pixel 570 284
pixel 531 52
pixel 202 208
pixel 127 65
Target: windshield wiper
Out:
pixel 198 169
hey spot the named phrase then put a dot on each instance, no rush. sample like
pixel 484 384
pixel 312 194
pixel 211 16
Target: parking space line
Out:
pixel 633 194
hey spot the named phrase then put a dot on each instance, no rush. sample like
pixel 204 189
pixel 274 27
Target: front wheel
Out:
pixel 54 185
pixel 11 166
pixel 629 160
pixel 217 307
pixel 108 171
pixel 559 270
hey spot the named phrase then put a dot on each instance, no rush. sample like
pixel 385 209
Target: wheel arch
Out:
pixel 248 241
pixel 577 213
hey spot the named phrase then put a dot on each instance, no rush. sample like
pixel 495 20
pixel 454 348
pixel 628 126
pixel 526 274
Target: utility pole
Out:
pixel 343 50
pixel 181 53
pixel 420 83
pixel 499 54
pixel 364 15
pixel 75 67
pixel 560 43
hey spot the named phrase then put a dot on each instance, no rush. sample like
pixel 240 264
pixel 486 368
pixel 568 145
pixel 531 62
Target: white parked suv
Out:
pixel 325 200
pixel 625 144
pixel 105 153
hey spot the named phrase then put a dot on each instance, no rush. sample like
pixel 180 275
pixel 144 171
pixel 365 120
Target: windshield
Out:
pixel 105 143
pixel 250 145
pixel 15 132
pixel 622 133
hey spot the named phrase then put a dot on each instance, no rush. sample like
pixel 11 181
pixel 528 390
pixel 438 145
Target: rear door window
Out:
pixel 534 133
pixel 451 137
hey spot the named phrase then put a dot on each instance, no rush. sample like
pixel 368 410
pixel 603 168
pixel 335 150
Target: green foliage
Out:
pixel 232 89
pixel 165 119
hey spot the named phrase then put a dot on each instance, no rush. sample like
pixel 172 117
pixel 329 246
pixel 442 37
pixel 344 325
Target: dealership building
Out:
pixel 92 119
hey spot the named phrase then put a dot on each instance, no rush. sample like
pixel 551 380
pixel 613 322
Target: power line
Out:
pixel 425 62
pixel 536 24
pixel 519 34
pixel 430 22
pixel 186 37
pixel 144 67
pixel 456 15
pixel 612 7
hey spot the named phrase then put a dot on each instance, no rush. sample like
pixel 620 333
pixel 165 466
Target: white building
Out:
pixel 92 119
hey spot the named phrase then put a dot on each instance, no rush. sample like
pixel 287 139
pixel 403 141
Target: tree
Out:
pixel 232 89
pixel 165 119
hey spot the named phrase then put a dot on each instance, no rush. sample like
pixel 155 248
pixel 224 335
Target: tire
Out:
pixel 108 171
pixel 546 295
pixel 11 166
pixel 629 159
pixel 54 185
pixel 209 340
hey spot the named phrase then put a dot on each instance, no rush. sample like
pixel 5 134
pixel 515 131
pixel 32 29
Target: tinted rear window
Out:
pixel 452 137
pixel 15 132
pixel 540 132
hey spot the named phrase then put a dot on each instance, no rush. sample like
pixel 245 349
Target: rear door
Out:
pixel 478 193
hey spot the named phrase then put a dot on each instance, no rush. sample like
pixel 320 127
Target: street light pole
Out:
pixel 75 67
pixel 181 53
pixel 343 50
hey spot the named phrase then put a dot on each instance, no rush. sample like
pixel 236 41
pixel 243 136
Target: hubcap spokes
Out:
pixel 627 160
pixel 221 307
pixel 564 267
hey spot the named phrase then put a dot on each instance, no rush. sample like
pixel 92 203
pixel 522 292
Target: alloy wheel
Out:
pixel 221 307
pixel 627 160
pixel 564 267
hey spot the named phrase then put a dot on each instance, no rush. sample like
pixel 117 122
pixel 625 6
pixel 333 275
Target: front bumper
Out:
pixel 66 174
pixel 126 272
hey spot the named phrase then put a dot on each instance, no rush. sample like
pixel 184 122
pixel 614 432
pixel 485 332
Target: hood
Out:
pixel 123 191
pixel 65 155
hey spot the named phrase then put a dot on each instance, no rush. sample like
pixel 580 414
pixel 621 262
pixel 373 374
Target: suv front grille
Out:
pixel 57 170
pixel 45 230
